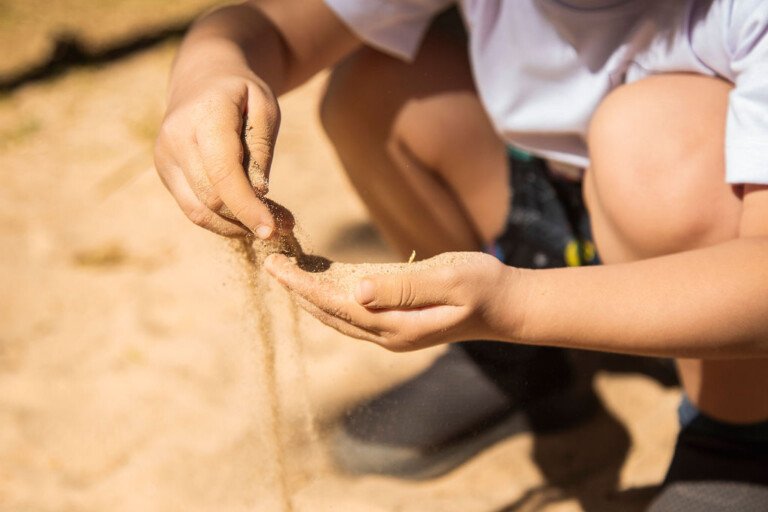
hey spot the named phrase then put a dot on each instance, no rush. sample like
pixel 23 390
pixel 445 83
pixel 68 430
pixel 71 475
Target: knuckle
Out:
pixel 262 144
pixel 409 342
pixel 342 314
pixel 218 172
pixel 451 280
pixel 392 347
pixel 387 342
pixel 404 293
pixel 167 129
pixel 408 293
pixel 200 215
pixel 173 128
pixel 400 343
pixel 399 340
pixel 212 200
pixel 233 86
pixel 400 293
pixel 163 148
pixel 265 100
pixel 241 210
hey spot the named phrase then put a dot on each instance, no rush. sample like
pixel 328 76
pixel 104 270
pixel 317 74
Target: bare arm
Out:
pixel 283 42
pixel 233 63
pixel 706 303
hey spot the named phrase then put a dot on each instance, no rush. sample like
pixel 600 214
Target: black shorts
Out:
pixel 548 224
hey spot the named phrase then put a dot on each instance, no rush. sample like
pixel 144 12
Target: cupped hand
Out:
pixel 199 153
pixel 403 307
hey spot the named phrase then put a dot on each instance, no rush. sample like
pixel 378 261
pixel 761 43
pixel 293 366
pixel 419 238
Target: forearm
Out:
pixel 235 40
pixel 709 303
pixel 282 42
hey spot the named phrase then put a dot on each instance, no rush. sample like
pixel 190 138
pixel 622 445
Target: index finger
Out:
pixel 222 155
pixel 325 294
pixel 313 286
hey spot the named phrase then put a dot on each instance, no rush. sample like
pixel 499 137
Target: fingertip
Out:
pixel 264 231
pixel 266 223
pixel 274 262
pixel 365 293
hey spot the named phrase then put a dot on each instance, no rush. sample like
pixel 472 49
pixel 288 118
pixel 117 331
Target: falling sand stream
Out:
pixel 337 278
pixel 251 253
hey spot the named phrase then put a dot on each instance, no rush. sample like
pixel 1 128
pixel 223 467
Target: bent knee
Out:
pixel 657 173
pixel 369 92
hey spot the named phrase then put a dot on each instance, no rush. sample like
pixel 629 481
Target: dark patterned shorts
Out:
pixel 548 224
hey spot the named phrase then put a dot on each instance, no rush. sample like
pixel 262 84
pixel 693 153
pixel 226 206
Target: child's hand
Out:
pixel 402 307
pixel 199 153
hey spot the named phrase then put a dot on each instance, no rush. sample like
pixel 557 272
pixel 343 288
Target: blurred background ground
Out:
pixel 128 355
pixel 31 28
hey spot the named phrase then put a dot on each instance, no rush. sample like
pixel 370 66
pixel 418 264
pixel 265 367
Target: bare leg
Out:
pixel 656 187
pixel 418 146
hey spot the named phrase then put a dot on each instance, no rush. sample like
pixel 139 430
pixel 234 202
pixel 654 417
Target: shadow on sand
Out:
pixel 70 51
pixel 584 463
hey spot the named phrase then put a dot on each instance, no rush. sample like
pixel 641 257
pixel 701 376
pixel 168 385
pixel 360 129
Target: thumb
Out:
pixel 261 122
pixel 403 291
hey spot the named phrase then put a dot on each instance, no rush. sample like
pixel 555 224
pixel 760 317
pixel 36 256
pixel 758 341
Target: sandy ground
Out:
pixel 129 376
pixel 29 28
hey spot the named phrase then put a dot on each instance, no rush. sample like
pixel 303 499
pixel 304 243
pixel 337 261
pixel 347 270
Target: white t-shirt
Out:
pixel 542 66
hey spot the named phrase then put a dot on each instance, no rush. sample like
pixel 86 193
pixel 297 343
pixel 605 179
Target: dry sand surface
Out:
pixel 29 28
pixel 129 375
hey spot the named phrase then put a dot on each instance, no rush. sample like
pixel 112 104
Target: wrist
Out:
pixel 210 59
pixel 515 298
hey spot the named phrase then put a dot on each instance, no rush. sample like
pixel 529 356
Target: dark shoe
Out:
pixel 716 466
pixel 711 496
pixel 435 421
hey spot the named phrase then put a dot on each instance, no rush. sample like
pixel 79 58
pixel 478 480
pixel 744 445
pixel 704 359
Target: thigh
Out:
pixel 427 115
